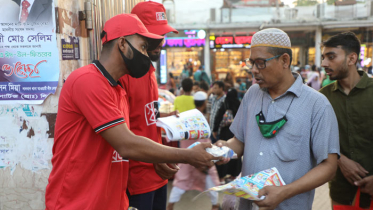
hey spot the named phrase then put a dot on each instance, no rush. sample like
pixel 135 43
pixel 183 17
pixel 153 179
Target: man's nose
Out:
pixel 255 70
pixel 324 63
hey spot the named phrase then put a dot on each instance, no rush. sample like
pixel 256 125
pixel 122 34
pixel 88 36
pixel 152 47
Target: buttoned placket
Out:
pixel 350 125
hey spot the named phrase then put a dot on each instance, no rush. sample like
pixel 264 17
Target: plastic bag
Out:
pixel 357 204
pixel 216 151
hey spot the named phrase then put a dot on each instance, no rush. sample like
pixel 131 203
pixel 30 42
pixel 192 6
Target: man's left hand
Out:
pixel 274 195
pixel 165 171
pixel 366 185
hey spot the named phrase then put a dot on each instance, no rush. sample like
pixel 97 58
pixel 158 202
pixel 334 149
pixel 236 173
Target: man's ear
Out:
pixel 285 58
pixel 352 59
pixel 122 44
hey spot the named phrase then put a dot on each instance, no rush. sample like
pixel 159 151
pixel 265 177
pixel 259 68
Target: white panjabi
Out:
pixel 271 37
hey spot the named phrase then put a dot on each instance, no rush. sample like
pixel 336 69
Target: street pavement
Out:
pixel 321 202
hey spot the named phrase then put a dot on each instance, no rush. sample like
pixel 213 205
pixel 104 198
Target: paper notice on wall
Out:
pixel 29 59
pixel 23 138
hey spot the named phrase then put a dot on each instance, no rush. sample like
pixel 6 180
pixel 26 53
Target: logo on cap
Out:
pixel 161 16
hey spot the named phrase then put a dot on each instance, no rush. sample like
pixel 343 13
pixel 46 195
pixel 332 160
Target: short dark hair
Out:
pixel 187 84
pixel 204 86
pixel 347 40
pixel 219 83
pixel 196 83
pixel 313 67
pixel 108 46
pixel 280 51
pixel 198 103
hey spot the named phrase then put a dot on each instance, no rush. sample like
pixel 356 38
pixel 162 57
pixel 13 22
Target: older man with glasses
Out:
pixel 285 124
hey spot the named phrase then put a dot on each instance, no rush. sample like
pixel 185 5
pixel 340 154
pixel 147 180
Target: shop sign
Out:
pixel 186 38
pixel 184 43
pixel 70 48
pixel 230 42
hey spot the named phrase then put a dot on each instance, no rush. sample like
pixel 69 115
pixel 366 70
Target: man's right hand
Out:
pixel 199 158
pixel 221 143
pixel 351 170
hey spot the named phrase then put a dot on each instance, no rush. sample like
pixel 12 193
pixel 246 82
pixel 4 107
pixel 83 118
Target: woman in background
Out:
pixel 228 82
pixel 231 102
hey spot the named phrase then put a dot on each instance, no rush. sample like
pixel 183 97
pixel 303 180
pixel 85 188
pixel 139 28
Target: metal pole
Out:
pixel 207 53
pixel 318 40
pixel 90 8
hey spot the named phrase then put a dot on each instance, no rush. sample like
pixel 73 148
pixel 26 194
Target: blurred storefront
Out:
pixel 183 50
pixel 229 51
pixel 228 54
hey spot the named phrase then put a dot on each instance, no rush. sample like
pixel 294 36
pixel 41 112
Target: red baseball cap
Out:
pixel 153 15
pixel 126 25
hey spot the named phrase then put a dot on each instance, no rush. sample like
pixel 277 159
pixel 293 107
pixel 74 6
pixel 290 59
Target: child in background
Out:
pixel 191 178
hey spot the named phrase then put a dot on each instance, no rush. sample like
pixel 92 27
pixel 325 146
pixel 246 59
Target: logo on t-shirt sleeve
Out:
pixel 116 158
pixel 151 113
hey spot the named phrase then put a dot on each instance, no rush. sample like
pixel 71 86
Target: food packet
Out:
pixel 216 151
pixel 248 187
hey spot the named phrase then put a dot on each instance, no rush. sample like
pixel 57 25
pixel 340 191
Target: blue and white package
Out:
pixel 216 151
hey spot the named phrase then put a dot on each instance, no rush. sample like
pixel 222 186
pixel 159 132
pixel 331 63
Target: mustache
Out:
pixel 328 69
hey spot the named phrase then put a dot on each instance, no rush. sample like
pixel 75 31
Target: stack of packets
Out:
pixel 216 151
pixel 248 187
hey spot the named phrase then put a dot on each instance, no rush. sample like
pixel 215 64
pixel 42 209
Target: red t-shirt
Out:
pixel 143 105
pixel 87 172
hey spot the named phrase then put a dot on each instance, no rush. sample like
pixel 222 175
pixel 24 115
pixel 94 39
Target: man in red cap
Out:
pixel 147 183
pixel 92 139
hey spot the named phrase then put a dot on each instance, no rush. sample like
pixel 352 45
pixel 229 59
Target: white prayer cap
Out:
pixel 271 37
pixel 200 96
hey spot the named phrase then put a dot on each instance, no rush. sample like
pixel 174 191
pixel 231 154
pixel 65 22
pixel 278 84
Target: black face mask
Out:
pixel 139 65
pixel 154 57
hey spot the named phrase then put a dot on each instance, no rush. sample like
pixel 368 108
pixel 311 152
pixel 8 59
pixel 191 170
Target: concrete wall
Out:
pixel 23 181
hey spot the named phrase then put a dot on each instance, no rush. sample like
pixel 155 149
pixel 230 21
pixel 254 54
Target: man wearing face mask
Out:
pixel 89 170
pixel 283 123
pixel 147 183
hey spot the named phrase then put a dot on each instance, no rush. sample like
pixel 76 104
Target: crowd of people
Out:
pixel 108 151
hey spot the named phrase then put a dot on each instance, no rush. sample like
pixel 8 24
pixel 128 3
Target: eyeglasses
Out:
pixel 260 63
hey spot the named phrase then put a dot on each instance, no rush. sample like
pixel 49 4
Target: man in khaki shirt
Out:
pixel 352 98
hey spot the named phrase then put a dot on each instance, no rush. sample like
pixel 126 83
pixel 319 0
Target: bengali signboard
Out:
pixel 29 60
pixel 70 48
pixel 230 42
pixel 186 38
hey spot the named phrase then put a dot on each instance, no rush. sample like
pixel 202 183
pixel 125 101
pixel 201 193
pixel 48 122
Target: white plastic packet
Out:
pixel 216 151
